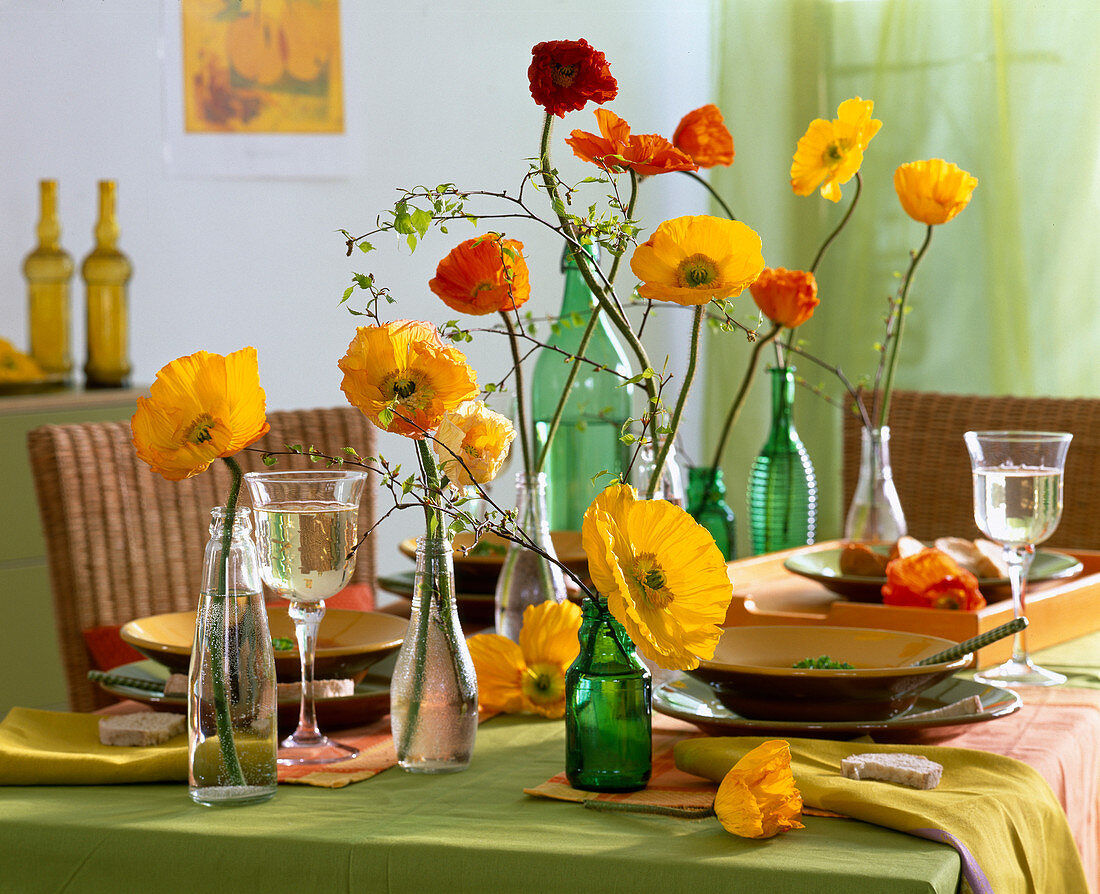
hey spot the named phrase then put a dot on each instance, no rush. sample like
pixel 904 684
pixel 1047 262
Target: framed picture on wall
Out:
pixel 255 88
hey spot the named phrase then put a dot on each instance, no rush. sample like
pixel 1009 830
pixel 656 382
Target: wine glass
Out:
pixel 1018 503
pixel 306 527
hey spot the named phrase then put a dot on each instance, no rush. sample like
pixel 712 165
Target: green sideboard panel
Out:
pixel 31 668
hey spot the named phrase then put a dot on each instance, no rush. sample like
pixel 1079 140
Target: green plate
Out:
pixel 823 566
pixel 694 701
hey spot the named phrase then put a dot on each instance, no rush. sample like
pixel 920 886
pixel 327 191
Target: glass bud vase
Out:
pixel 782 482
pixel 231 707
pixel 706 503
pixel 671 487
pixel 527 578
pixel 875 515
pixel 433 692
pixel 608 724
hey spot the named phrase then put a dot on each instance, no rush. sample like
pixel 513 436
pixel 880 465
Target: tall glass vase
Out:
pixel 527 578
pixel 608 721
pixel 875 515
pixel 706 503
pixel 782 482
pixel 433 691
pixel 231 707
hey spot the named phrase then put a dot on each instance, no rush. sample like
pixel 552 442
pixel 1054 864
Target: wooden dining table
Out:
pixel 479 831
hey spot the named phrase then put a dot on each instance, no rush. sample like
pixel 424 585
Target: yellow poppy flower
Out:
pixel 933 191
pixel 691 260
pixel 831 152
pixel 479 437
pixel 528 676
pixel 663 576
pixel 199 408
pixel 758 797
pixel 403 378
pixel 15 366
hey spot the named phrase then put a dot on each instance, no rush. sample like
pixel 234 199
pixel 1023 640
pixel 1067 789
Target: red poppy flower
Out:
pixel 483 275
pixel 703 135
pixel 565 75
pixel 931 579
pixel 645 154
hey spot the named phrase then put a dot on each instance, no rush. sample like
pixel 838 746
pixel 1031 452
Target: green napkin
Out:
pixel 58 748
pixel 998 813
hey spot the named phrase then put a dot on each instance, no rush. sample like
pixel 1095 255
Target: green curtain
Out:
pixel 1007 301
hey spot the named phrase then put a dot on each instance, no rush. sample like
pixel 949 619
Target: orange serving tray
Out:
pixel 764 592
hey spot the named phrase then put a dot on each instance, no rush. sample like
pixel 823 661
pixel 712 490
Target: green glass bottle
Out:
pixel 48 270
pixel 782 482
pixel 608 724
pixel 706 503
pixel 587 440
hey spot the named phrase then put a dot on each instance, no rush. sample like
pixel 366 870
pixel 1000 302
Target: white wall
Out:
pixel 439 90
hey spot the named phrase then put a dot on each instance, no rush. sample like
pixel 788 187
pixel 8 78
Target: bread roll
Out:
pixel 905 547
pixel 910 770
pixel 860 560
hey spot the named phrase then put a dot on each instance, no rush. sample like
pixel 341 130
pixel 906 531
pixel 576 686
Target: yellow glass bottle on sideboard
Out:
pixel 106 272
pixel 48 269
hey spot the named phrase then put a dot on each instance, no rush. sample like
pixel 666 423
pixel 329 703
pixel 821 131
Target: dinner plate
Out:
pixel 473 608
pixel 823 566
pixel 692 700
pixel 370 700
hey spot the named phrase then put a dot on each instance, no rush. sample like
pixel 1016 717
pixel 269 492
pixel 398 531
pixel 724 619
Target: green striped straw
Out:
pixel 97 676
pixel 975 643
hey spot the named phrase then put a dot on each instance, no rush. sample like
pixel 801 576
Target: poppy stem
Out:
pixel 521 404
pixel 655 809
pixel 714 194
pixel 739 401
pixel 674 423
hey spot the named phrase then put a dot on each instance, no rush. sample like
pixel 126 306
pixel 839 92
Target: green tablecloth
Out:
pixel 470 832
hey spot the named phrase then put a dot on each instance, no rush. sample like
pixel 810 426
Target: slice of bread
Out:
pixel 962 551
pixel 142 728
pixel 321 689
pixel 961 708
pixel 992 562
pixel 176 684
pixel 905 547
pixel 911 770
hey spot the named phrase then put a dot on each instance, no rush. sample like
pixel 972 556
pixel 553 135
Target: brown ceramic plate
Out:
pixel 348 642
pixel 752 672
pixel 695 702
pixel 369 702
pixel 823 566
pixel 476 571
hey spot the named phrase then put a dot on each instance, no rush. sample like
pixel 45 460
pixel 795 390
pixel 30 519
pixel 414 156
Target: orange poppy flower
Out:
pixel 931 579
pixel 831 152
pixel 933 191
pixel 786 297
pixel 565 75
pixel 483 275
pixel 199 408
pixel 758 797
pixel 703 135
pixel 403 378
pixel 476 435
pixel 645 154
pixel 528 676
pixel 691 260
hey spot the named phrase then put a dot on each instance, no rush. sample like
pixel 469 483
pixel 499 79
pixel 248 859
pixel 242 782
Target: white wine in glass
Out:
pixel 306 529
pixel 1018 503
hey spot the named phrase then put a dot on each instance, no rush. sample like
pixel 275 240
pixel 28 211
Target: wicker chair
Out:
pixel 932 467
pixel 123 543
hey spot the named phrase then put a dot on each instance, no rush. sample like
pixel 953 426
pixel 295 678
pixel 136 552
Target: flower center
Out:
pixel 652 582
pixel 404 388
pixel 200 429
pixel 411 389
pixel 696 271
pixel 563 75
pixel 543 683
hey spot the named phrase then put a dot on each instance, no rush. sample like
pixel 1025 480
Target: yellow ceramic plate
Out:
pixel 348 642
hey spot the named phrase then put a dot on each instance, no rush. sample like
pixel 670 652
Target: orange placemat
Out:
pixel 376 753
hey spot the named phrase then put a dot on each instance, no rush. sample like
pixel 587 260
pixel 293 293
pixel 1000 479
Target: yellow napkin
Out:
pixel 998 813
pixel 58 748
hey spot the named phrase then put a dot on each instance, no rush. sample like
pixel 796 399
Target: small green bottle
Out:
pixel 706 503
pixel 587 440
pixel 608 720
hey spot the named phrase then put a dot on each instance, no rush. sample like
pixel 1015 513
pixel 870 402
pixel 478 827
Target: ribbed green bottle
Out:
pixel 587 441
pixel 608 720
pixel 782 483
pixel 706 503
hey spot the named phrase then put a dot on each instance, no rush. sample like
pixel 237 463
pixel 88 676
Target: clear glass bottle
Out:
pixel 433 689
pixel 527 578
pixel 782 482
pixel 707 504
pixel 875 514
pixel 608 720
pixel 671 487
pixel 106 272
pixel 48 270
pixel 232 714
pixel 587 440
